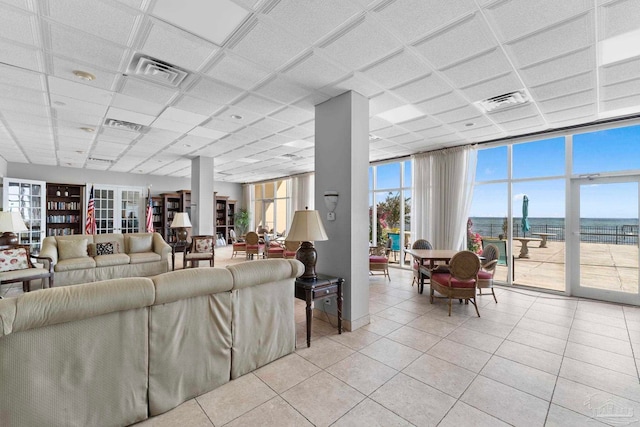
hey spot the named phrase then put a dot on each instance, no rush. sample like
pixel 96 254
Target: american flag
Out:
pixel 149 213
pixel 90 225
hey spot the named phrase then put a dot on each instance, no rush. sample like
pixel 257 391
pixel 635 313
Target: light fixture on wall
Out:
pixel 181 222
pixel 305 228
pixel 11 223
pixel 331 201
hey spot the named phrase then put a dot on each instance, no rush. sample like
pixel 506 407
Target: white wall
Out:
pixel 3 168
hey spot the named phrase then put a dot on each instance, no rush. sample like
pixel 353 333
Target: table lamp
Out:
pixel 11 223
pixel 306 227
pixel 181 222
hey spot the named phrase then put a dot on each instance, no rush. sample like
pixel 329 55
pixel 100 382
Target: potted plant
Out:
pixel 241 222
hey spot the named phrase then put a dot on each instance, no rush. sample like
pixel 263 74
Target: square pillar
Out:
pixel 202 196
pixel 341 165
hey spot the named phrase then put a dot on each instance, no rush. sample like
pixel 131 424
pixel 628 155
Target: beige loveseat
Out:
pixel 113 353
pixel 90 258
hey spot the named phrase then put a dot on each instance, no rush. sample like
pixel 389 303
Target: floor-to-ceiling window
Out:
pixel 270 206
pixel 390 191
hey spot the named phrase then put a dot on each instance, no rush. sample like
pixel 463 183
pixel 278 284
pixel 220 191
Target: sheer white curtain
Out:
pixel 302 192
pixel 443 190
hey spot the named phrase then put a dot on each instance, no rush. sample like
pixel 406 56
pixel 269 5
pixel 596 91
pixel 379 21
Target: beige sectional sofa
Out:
pixel 90 258
pixel 116 352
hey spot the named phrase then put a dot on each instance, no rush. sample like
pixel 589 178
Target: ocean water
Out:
pixel 596 230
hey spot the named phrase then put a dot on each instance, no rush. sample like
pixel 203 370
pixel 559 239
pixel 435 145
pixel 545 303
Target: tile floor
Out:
pixel 533 359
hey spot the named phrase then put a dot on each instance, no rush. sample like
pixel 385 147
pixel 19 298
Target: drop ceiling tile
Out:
pixel 565 117
pixel 118 136
pixel 376 123
pixel 108 21
pixel 397 69
pixel 314 72
pixel 420 124
pixel 292 115
pixel 384 102
pixel 558 68
pixel 267 45
pixel 362 43
pixel 357 83
pixel 620 71
pixel 236 71
pixel 270 125
pixel 183 116
pixel 523 123
pixel 23 94
pixel 562 39
pixel 130 116
pixel 470 36
pixel 494 87
pixel 311 21
pixel 210 134
pixel 21 78
pixel 26 108
pixel 618 17
pixel 620 90
pixel 171 125
pixel 17 25
pixel 251 134
pixel 177 47
pixel 507 17
pixel 296 133
pixel 406 138
pixel 65 103
pixel 85 47
pixel 484 67
pixel 467 113
pixel 411 19
pixel 470 125
pixel 88 120
pixel 514 113
pixel 22 4
pixel 283 90
pixel 257 104
pixel 224 124
pixel 390 132
pixel 209 89
pixel 428 87
pixel 20 56
pixel 627 104
pixel 213 20
pixel 64 69
pixel 80 91
pixel 436 132
pixel 566 86
pixel 136 104
pixel 194 141
pixel 147 91
pixel 449 101
pixel 197 105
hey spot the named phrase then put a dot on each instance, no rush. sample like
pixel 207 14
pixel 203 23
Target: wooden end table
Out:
pixel 177 247
pixel 320 287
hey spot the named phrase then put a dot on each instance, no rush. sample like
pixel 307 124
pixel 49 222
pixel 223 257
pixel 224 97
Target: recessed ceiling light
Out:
pixel 88 129
pixel 84 75
pixel 60 103
pixel 186 145
pixel 236 117
pixel 469 124
pixel 401 114
pixel 373 137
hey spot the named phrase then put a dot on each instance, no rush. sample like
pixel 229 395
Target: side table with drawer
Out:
pixel 320 287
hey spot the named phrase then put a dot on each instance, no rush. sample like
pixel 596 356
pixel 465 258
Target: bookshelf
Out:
pixel 224 213
pixel 65 209
pixel 158 213
pixel 171 204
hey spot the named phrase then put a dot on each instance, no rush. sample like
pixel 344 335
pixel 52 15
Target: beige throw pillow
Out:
pixel 140 244
pixel 68 249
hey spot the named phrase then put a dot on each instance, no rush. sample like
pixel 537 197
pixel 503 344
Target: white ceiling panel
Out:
pixel 411 19
pixel 20 56
pixel 292 115
pixel 524 123
pixel 24 94
pixel 283 90
pixel 85 48
pixel 424 88
pixel 17 25
pixel 516 18
pixel 314 71
pixel 236 71
pixel 271 125
pixel 109 21
pixel 130 116
pixel 182 116
pixel 566 86
pixel 64 69
pixel 569 116
pixel 219 93
pixel 356 83
pixel 480 68
pixel 384 102
pixel 468 113
pixel 471 37
pixel 177 47
pixel 26 108
pixel 147 91
pixel 209 134
pixel 397 69
pixel 61 102
pixel 224 123
pixel 21 78
pixel 560 67
pixel 449 101
pixel 494 87
pixel 362 43
pixel 515 113
pixel 618 17
pixel 136 104
pixel 621 90
pixel 171 125
pixel 83 92
pixel 620 71
pixel 627 105
pixel 255 104
pixel 562 39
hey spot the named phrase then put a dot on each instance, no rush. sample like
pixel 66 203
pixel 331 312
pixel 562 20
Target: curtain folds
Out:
pixel 443 190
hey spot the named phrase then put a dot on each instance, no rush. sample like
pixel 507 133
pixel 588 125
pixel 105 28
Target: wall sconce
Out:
pixel 331 201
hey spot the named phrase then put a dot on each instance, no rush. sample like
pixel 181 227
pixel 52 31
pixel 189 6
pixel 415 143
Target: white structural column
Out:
pixel 202 195
pixel 341 165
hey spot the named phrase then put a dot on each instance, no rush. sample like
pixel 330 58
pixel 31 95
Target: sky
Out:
pixel 611 150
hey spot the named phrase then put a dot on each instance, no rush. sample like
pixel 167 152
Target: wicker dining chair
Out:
pixel 491 254
pixel 379 261
pixel 461 280
pixel 418 244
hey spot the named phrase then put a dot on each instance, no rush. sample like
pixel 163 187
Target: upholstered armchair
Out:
pixel 461 280
pixel 491 254
pixel 16 266
pixel 275 250
pixel 201 249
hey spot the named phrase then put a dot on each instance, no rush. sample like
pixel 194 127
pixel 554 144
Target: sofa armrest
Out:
pixel 161 247
pixel 49 251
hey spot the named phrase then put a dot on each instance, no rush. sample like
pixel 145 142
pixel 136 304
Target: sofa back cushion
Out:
pixel 13 259
pixel 141 243
pixel 68 249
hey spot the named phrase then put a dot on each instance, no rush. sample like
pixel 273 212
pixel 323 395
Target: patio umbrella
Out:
pixel 525 215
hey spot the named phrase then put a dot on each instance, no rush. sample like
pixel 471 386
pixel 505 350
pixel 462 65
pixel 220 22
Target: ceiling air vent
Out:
pixel 122 125
pixel 156 70
pixel 502 102
pixel 98 160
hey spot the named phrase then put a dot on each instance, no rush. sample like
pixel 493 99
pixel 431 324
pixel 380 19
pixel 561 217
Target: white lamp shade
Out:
pixel 12 222
pixel 306 226
pixel 181 220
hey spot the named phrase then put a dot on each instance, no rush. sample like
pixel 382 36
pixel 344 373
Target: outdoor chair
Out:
pixel 418 244
pixel 461 280
pixel 239 245
pixel 491 254
pixel 254 247
pixel 378 261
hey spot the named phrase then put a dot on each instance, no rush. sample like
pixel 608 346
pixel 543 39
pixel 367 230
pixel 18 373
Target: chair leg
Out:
pixel 450 299
pixel 494 296
pixel 26 286
pixel 473 301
